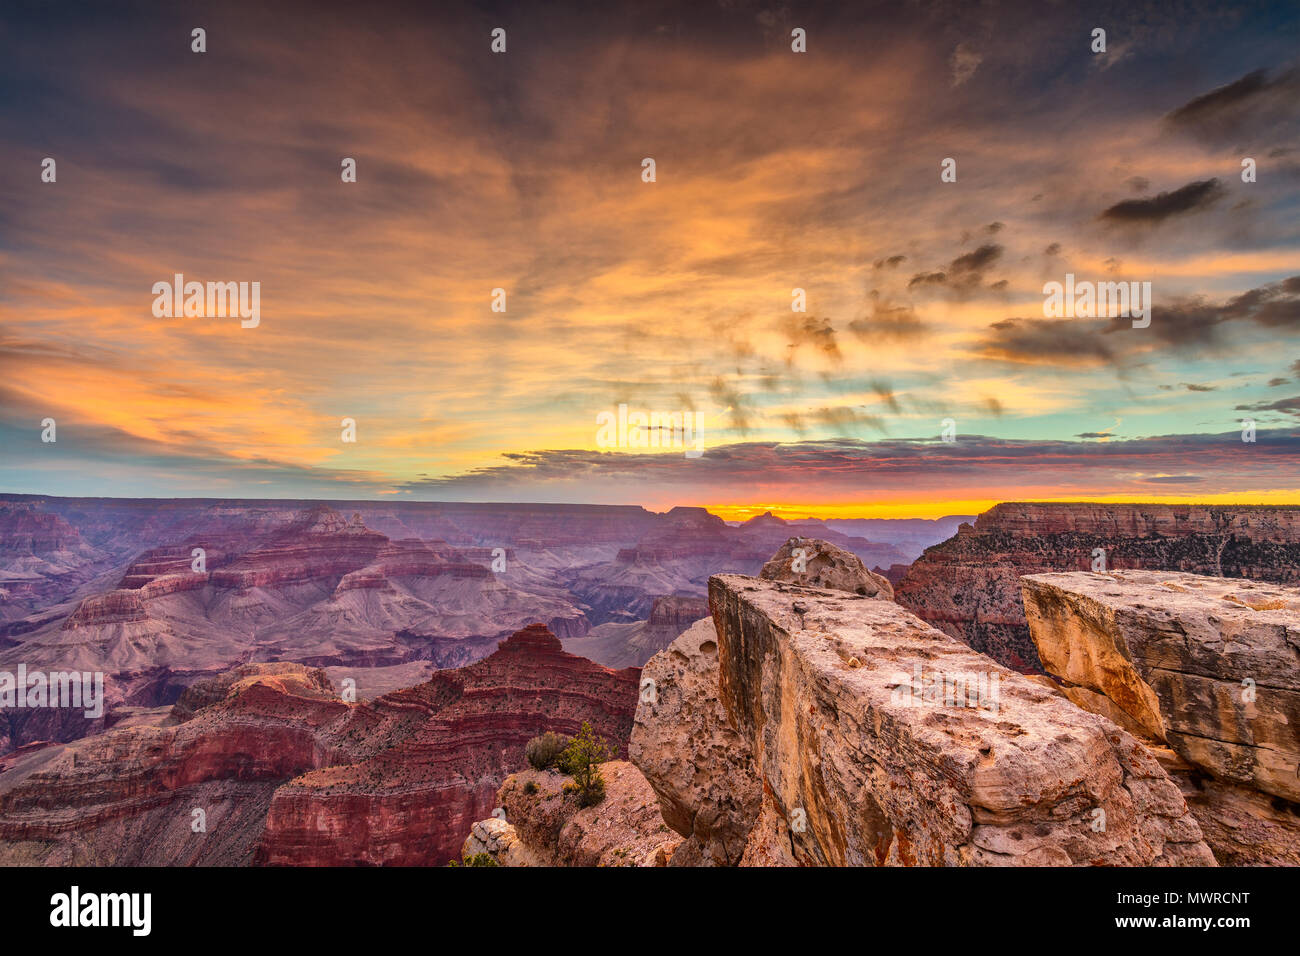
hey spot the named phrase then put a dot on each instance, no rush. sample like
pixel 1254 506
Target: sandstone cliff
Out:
pixel 880 740
pixel 809 726
pixel 969 585
pixel 1207 669
pixel 700 768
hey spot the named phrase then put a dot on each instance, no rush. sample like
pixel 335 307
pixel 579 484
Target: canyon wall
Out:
pixel 969 585
pixel 287 772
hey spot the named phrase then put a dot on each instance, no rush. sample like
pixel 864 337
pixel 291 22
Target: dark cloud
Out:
pixel 1189 198
pixel 893 465
pixel 809 330
pixel 1196 323
pixel 1256 103
pixel 1050 341
pixel 963 274
pixel 1193 387
pixel 1275 382
pixel 846 420
pixel 1283 406
pixel 888 323
pixel 927 278
pixel 976 261
pixel 885 392
pixel 1193 324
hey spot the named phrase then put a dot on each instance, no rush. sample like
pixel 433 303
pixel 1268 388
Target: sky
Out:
pixel 774 170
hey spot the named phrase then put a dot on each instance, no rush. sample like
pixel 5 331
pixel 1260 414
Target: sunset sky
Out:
pixel 775 170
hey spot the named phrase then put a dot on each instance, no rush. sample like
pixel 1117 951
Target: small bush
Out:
pixel 478 859
pixel 581 760
pixel 543 752
pixel 530 787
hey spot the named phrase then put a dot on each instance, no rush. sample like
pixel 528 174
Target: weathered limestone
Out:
pixel 544 826
pixel 861 764
pixel 823 565
pixel 699 767
pixel 500 841
pixel 1209 667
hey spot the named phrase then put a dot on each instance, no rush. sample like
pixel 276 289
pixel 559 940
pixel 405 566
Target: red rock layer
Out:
pixel 414 802
pixel 399 779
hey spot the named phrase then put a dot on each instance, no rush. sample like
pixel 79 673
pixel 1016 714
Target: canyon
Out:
pixel 281 770
pixel 160 594
pixel 354 683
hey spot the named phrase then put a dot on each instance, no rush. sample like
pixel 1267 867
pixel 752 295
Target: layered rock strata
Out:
pixel 287 772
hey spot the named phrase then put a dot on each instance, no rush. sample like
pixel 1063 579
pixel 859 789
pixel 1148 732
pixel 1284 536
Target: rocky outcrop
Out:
pixel 969 586
pixel 880 740
pixel 1208 667
pixel 700 768
pixel 820 564
pixel 540 824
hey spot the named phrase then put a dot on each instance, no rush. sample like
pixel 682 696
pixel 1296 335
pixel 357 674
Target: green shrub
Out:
pixel 581 760
pixel 478 859
pixel 530 787
pixel 543 752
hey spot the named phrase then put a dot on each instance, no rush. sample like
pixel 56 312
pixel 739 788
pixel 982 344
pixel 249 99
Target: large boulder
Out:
pixel 1206 667
pixel 819 564
pixel 880 740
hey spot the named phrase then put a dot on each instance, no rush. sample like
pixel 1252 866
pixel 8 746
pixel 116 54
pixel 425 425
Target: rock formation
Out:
pixel 969 586
pixel 880 740
pixel 315 587
pixel 1207 669
pixel 544 826
pixel 820 564
pixel 701 769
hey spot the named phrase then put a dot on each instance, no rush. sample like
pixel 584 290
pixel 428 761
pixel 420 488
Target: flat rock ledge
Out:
pixel 1208 670
pixel 879 740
